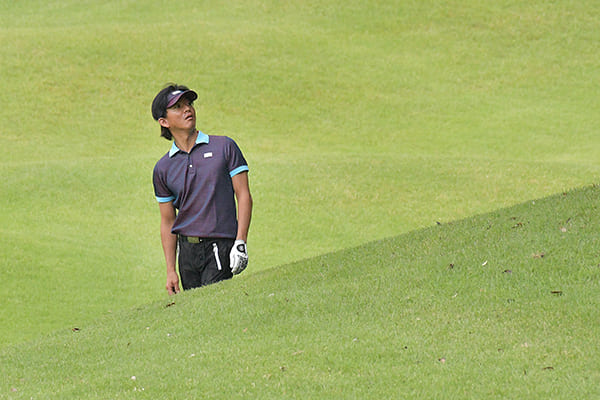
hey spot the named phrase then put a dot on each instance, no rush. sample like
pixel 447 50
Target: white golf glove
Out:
pixel 238 258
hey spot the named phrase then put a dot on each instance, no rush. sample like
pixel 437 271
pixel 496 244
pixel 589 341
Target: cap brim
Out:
pixel 178 94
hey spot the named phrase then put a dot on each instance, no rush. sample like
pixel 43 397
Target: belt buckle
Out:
pixel 193 239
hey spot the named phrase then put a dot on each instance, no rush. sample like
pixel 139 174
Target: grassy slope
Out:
pixel 502 305
pixel 361 120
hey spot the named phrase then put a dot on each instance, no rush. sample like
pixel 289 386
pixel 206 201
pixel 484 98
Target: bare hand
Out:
pixel 172 283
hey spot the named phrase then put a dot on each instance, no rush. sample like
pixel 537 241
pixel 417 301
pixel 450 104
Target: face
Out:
pixel 182 116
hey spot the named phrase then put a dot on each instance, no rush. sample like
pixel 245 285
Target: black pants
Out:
pixel 204 262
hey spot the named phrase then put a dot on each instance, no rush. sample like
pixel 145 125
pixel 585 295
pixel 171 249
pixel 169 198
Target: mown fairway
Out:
pixel 502 305
pixel 361 120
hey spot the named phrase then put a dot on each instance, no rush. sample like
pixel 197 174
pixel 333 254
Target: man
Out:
pixel 197 184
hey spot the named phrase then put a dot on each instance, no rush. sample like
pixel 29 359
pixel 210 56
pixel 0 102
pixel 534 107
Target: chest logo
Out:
pixel 208 155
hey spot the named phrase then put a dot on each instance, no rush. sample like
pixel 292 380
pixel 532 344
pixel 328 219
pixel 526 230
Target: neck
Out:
pixel 185 140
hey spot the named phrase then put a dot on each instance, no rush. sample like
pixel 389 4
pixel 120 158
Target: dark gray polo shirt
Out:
pixel 199 185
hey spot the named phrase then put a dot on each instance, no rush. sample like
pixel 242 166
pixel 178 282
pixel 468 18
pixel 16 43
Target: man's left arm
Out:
pixel 238 258
pixel 241 187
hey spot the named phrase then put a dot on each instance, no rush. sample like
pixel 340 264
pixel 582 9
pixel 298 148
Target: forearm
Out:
pixel 168 239
pixel 244 204
pixel 244 215
pixel 169 245
pixel 239 254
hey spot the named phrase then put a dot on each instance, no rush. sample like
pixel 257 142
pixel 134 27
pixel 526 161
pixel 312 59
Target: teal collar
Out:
pixel 201 138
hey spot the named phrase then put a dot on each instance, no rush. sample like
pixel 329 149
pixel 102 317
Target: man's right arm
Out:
pixel 169 245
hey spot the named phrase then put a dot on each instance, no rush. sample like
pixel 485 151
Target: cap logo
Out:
pixel 175 95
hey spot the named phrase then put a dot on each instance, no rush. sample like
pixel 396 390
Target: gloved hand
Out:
pixel 238 258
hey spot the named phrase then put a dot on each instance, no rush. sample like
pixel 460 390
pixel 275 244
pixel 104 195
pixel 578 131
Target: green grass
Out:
pixel 361 120
pixel 501 305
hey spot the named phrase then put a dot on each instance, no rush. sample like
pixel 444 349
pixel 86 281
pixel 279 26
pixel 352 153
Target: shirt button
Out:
pixel 190 165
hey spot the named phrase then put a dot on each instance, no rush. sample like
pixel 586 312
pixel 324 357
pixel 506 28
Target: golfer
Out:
pixel 198 184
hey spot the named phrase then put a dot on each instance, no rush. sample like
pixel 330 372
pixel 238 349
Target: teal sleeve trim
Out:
pixel 165 199
pixel 238 170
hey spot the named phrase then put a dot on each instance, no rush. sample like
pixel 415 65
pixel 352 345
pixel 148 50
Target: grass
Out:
pixel 361 120
pixel 500 305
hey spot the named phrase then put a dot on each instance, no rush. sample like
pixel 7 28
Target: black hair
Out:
pixel 159 106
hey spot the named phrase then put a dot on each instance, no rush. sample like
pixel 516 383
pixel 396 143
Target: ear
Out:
pixel 163 122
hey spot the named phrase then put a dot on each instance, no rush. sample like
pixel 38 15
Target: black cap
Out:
pixel 168 97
